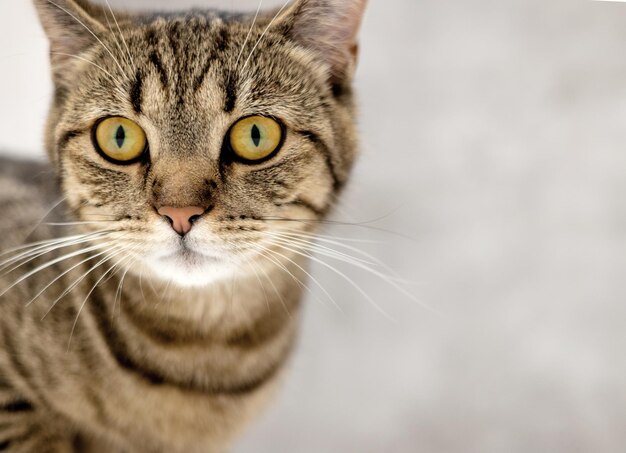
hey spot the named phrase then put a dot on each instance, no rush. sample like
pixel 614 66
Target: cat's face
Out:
pixel 200 139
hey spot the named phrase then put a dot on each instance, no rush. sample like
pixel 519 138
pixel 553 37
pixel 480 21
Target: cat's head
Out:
pixel 201 137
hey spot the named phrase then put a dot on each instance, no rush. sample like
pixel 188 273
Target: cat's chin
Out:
pixel 189 270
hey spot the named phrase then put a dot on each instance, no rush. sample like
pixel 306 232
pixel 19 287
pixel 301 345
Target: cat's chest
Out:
pixel 170 392
pixel 146 417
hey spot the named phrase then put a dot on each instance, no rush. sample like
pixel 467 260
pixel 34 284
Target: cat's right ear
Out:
pixel 71 26
pixel 329 29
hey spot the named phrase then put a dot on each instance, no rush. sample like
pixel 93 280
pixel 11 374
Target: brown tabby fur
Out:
pixel 131 339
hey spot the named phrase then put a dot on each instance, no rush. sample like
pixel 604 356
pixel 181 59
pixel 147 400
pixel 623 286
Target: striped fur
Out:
pixel 129 338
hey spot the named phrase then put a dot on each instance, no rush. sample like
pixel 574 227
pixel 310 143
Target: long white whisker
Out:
pixel 78 281
pixel 319 285
pixel 344 276
pixel 54 206
pixel 95 222
pixel 46 242
pixel 328 237
pixel 268 278
pixel 117 42
pixel 51 263
pixel 31 255
pixel 336 223
pixel 243 46
pixel 253 266
pixel 332 253
pixel 264 33
pixel 323 249
pixel 69 341
pixel 118 293
pixel 130 58
pixel 64 274
pixel 143 295
pixel 380 275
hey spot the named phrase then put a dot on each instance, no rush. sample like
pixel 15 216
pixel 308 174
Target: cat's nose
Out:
pixel 181 218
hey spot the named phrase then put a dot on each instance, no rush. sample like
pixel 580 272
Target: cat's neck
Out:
pixel 230 304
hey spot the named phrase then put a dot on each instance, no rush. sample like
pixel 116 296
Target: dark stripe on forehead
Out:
pixel 200 79
pixel 321 146
pixel 156 61
pixel 220 44
pixel 231 94
pixel 136 92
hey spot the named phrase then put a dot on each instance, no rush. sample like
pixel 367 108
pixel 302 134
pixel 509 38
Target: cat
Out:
pixel 150 276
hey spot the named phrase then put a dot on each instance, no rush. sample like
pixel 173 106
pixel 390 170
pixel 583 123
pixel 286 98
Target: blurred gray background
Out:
pixel 493 135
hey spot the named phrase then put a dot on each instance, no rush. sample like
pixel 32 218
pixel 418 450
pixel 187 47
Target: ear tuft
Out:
pixel 330 29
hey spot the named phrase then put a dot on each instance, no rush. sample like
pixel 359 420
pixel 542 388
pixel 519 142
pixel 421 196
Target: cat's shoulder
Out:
pixel 28 188
pixel 22 169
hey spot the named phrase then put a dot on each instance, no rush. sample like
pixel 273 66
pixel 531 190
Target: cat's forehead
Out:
pixel 182 68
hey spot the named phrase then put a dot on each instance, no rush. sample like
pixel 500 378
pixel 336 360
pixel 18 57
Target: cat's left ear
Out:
pixel 330 29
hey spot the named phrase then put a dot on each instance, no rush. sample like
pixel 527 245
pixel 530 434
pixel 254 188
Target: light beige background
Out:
pixel 493 136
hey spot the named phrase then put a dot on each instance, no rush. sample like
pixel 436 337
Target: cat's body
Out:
pixel 148 368
pixel 126 335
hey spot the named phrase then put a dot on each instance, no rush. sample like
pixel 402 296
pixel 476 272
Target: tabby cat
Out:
pixel 150 277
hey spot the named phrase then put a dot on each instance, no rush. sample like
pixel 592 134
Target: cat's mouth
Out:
pixel 189 257
pixel 187 266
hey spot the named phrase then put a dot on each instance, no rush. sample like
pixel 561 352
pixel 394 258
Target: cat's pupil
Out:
pixel 256 135
pixel 120 136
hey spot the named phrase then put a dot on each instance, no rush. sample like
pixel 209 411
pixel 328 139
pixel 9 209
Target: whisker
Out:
pixel 143 295
pixel 30 255
pixel 33 254
pixel 253 266
pixel 44 242
pixel 322 249
pixel 264 33
pixel 121 35
pixel 344 276
pixel 54 206
pixel 328 238
pixel 243 46
pixel 338 223
pixel 118 293
pixel 383 277
pixel 50 263
pixel 95 222
pixel 267 277
pixel 79 280
pixel 64 274
pixel 331 253
pixel 69 342
pixel 332 299
pixel 128 54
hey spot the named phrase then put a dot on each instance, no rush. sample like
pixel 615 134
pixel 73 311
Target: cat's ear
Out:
pixel 71 26
pixel 330 29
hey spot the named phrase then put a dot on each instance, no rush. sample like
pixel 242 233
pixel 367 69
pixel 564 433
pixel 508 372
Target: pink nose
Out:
pixel 181 218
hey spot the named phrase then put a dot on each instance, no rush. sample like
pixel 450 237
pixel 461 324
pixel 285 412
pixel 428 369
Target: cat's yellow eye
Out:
pixel 255 138
pixel 120 139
